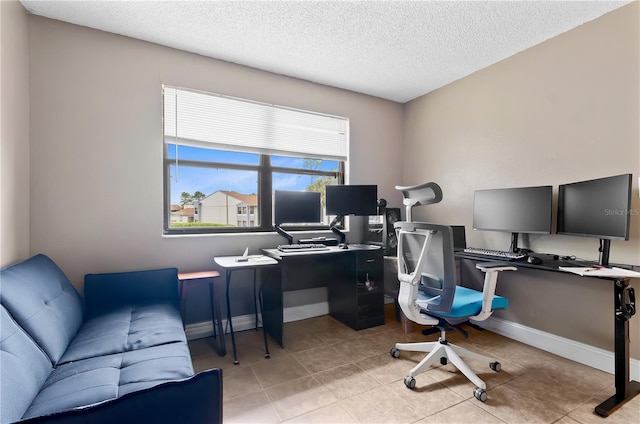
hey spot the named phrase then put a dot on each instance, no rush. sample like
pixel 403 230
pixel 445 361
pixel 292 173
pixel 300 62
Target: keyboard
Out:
pixel 302 247
pixel 497 254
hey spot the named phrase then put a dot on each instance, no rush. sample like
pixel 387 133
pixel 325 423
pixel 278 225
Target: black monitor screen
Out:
pixel 296 207
pixel 516 210
pixel 358 200
pixel 596 208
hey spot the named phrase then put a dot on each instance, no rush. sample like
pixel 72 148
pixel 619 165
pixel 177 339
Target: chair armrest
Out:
pixel 495 266
pixel 491 270
pixel 196 400
pixel 103 292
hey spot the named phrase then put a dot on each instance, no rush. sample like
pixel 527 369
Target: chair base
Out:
pixel 444 351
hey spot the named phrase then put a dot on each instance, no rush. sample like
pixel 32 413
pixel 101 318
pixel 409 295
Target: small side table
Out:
pixel 234 263
pixel 216 317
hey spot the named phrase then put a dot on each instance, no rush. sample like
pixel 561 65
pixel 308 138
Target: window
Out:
pixel 224 157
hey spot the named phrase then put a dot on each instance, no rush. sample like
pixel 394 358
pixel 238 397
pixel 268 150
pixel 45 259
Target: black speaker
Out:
pixel 378 230
pixel 459 237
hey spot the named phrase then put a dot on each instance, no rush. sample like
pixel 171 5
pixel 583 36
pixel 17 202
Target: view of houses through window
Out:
pixel 219 189
pixel 225 157
pixel 220 208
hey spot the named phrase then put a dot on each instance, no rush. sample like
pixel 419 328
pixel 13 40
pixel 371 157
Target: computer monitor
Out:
pixel 295 207
pixel 358 200
pixel 341 200
pixel 599 208
pixel 515 210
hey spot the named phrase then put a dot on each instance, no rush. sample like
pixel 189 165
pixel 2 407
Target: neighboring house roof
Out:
pixel 248 199
pixel 188 212
pixel 175 208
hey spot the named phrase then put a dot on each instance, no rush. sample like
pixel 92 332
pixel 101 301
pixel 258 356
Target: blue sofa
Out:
pixel 119 356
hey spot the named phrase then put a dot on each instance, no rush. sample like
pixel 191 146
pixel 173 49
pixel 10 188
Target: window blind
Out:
pixel 198 119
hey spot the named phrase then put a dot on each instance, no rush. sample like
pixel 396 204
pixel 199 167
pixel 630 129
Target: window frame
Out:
pixel 220 122
pixel 265 173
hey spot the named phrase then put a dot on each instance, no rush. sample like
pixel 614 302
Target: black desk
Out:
pixel 345 272
pixel 625 389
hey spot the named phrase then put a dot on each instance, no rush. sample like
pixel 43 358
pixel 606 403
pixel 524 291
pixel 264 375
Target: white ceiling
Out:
pixel 396 50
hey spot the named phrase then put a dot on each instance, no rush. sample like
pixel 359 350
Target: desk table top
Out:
pixel 251 261
pixel 182 276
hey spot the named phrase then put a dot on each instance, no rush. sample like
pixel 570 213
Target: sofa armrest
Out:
pixel 107 291
pixel 196 400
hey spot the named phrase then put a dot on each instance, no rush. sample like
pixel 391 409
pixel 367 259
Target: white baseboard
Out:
pixel 203 329
pixel 297 313
pixel 576 351
pixel 585 354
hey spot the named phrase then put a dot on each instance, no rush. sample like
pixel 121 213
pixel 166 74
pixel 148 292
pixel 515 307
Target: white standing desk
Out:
pixel 235 263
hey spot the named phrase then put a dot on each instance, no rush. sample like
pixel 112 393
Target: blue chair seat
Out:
pixel 467 302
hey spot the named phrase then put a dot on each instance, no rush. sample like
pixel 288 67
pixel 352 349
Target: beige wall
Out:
pixel 562 111
pixel 96 143
pixel 566 110
pixel 14 135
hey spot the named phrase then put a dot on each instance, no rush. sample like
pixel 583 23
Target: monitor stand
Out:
pixel 514 242
pixel 605 247
pixel 283 233
pixel 342 238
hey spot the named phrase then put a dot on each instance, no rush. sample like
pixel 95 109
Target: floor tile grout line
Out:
pixel 523 367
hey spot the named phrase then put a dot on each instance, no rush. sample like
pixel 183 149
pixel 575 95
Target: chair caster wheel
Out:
pixel 495 366
pixel 480 394
pixel 395 352
pixel 410 382
pixel 443 361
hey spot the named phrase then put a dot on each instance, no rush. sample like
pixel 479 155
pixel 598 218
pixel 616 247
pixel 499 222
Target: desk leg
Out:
pixel 272 316
pixel 625 389
pixel 233 337
pixel 255 302
pixel 264 328
pixel 216 318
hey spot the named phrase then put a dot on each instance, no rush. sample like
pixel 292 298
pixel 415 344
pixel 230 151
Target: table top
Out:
pixel 197 275
pixel 252 261
pixel 555 265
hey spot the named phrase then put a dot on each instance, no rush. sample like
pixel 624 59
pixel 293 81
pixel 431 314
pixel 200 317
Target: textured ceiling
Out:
pixel 397 50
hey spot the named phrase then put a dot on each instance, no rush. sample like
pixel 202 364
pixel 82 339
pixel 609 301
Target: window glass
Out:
pixel 291 162
pixel 213 197
pixel 224 157
pixel 211 155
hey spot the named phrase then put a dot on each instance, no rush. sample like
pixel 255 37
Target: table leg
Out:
pixel 255 302
pixel 216 318
pixel 264 327
pixel 233 337
pixel 625 389
pixel 183 300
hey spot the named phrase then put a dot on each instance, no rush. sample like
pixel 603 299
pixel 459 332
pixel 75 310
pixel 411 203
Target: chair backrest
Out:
pixel 426 264
pixel 419 195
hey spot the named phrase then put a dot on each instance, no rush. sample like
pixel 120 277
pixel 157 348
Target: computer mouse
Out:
pixel 534 260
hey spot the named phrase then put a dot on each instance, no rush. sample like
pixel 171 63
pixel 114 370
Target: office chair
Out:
pixel 418 195
pixel 429 295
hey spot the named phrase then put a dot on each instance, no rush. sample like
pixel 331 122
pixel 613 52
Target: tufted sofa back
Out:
pixel 43 302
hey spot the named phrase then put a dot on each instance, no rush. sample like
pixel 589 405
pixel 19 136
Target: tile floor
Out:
pixel 329 373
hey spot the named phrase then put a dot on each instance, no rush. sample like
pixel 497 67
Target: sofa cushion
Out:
pixel 128 328
pixel 24 367
pixel 95 380
pixel 43 302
